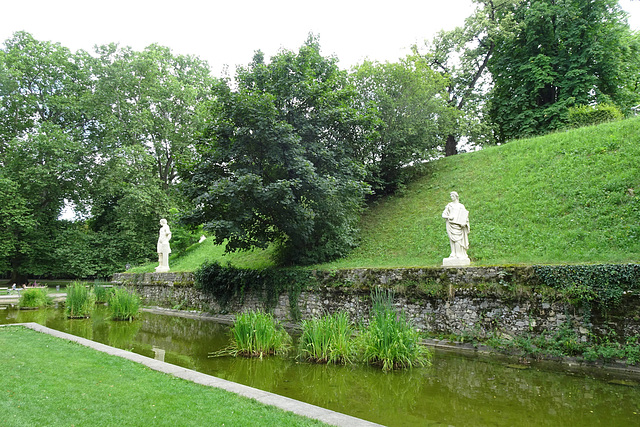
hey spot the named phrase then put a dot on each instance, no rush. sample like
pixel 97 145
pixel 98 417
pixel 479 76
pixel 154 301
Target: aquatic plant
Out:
pixel 124 304
pixel 102 292
pixel 390 340
pixel 34 297
pixel 328 339
pixel 80 300
pixel 255 334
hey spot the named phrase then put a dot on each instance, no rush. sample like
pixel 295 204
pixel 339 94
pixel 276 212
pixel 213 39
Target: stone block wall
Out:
pixel 441 300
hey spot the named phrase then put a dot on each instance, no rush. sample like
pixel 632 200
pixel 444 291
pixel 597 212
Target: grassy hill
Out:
pixel 568 197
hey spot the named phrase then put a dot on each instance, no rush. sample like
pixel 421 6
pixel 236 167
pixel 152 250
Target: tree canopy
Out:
pixel 276 164
pixel 562 53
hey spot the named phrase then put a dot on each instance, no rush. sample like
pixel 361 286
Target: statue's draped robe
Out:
pixel 458 228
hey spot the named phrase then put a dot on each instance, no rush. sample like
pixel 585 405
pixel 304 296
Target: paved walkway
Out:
pixel 14 297
pixel 285 403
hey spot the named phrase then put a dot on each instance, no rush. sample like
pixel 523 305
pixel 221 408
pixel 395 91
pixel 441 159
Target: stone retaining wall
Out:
pixel 454 300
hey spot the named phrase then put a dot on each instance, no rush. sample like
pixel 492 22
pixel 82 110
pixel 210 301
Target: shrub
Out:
pixel 36 297
pixel 80 301
pixel 124 304
pixel 255 334
pixel 328 339
pixel 390 340
pixel 586 115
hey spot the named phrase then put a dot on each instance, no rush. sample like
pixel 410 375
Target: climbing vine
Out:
pixel 227 284
pixel 601 285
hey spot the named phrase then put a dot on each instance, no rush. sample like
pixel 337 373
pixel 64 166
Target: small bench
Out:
pixel 4 291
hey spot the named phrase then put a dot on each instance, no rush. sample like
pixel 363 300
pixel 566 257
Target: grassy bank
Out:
pixel 568 197
pixel 49 381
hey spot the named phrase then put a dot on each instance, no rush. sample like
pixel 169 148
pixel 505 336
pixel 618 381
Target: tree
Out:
pixel 41 141
pixel 275 165
pixel 462 56
pixel 411 105
pixel 151 98
pixel 563 53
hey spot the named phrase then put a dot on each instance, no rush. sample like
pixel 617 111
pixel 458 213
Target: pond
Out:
pixel 458 390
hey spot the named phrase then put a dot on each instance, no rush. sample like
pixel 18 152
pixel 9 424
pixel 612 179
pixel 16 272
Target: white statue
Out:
pixel 163 247
pixel 457 218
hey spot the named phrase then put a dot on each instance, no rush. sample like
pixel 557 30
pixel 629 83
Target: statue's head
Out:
pixel 454 196
pixel 163 221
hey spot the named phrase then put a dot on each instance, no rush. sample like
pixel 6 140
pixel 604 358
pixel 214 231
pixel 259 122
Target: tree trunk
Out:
pixel 451 147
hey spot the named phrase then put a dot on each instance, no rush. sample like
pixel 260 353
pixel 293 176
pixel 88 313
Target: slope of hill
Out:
pixel 568 197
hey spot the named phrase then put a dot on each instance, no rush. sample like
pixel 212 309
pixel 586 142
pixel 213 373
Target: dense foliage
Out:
pixel 585 115
pixel 563 53
pixel 228 284
pixel 285 155
pixel 601 286
pixel 410 101
pixel 99 134
pixel 276 164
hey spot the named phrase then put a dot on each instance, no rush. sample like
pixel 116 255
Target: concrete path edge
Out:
pixel 282 402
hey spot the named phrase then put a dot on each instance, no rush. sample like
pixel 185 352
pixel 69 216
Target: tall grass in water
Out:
pixel 80 301
pixel 102 292
pixel 328 339
pixel 124 304
pixel 256 334
pixel 34 298
pixel 390 340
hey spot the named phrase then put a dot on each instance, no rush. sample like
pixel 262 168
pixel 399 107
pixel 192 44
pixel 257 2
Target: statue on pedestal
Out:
pixel 163 247
pixel 457 220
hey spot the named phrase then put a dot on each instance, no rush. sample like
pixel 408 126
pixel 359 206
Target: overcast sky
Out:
pixel 227 33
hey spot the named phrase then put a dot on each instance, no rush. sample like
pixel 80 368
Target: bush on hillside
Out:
pixel 586 115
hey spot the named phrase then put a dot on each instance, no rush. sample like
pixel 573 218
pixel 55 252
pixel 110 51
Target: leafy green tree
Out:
pixel 462 56
pixel 42 132
pixel 563 53
pixel 276 164
pixel 410 101
pixel 150 98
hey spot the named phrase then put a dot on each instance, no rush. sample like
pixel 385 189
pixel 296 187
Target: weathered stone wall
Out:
pixel 473 300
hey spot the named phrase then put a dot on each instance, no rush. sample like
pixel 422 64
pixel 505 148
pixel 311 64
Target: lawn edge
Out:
pixel 285 403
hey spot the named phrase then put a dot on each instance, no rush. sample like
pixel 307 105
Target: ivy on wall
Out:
pixel 228 284
pixel 600 285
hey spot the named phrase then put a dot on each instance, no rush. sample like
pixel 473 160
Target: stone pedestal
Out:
pixel 456 262
pixel 162 269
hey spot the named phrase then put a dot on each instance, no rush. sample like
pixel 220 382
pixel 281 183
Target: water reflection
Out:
pixel 456 390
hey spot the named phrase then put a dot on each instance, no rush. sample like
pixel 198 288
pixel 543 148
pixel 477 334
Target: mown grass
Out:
pixel 53 382
pixel 567 197
pixel 196 255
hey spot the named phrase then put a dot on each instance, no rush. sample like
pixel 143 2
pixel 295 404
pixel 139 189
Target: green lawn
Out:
pixel 567 197
pixel 49 381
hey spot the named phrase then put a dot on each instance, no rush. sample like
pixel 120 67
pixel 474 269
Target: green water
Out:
pixel 457 390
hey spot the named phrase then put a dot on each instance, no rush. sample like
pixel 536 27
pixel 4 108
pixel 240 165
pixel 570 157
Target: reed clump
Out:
pixel 257 334
pixel 102 293
pixel 80 301
pixel 34 298
pixel 124 304
pixel 328 339
pixel 390 340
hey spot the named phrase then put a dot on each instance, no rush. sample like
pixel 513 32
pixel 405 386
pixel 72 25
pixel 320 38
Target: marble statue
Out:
pixel 163 247
pixel 457 220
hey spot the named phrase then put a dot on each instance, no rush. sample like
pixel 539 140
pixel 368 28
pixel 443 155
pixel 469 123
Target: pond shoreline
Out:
pixel 568 363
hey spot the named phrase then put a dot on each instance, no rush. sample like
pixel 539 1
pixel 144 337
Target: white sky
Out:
pixel 229 32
